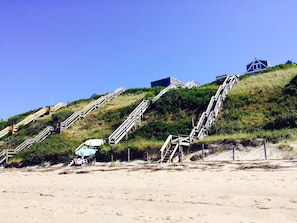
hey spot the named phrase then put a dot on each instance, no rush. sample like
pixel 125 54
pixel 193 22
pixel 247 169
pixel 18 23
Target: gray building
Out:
pixel 166 82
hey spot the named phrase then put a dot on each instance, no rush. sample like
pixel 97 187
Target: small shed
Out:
pixel 257 65
pixel 166 82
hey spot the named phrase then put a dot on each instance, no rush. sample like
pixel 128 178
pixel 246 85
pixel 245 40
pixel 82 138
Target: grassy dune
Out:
pixel 258 106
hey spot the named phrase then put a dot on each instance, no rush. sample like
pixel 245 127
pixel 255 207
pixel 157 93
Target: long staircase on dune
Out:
pixel 136 115
pixel 30 118
pixel 90 107
pixel 8 153
pixel 174 144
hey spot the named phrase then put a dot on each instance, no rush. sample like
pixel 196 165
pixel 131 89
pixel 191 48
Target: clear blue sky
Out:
pixel 63 50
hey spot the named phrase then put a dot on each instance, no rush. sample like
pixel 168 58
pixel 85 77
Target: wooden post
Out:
pixel 128 155
pixel 203 152
pixel 6 156
pixel 111 156
pixel 265 153
pixel 126 133
pixel 233 153
pixel 180 151
pixel 147 157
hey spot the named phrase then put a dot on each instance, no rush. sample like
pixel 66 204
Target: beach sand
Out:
pixel 211 191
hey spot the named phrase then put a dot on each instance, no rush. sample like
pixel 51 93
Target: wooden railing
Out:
pixel 90 107
pixel 5 154
pixel 130 122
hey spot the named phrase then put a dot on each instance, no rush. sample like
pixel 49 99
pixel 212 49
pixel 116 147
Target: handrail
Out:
pixel 42 135
pixel 163 91
pixel 24 145
pixel 165 146
pixel 210 105
pixel 4 131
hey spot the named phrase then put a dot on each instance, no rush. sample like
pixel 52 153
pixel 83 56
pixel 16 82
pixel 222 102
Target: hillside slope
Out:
pixel 263 105
pixel 259 106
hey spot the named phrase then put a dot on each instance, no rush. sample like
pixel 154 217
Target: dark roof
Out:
pixel 290 62
pixel 263 63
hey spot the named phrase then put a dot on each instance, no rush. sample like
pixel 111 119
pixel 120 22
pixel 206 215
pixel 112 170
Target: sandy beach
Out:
pixel 211 191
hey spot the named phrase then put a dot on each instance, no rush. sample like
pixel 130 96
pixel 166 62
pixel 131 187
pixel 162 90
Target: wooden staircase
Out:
pixel 90 107
pixel 206 119
pixel 31 118
pixel 8 153
pixel 136 115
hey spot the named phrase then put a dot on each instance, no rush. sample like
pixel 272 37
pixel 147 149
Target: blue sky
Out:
pixel 65 50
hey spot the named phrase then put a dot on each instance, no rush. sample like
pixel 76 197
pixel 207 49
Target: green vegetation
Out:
pixel 15 119
pixel 55 149
pixel 278 67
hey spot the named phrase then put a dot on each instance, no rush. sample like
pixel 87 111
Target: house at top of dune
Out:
pixel 257 65
pixel 291 62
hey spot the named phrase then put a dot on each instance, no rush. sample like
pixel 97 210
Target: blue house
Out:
pixel 166 82
pixel 257 65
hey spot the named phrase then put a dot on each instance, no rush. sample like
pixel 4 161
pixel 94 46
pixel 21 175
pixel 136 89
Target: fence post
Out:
pixel 180 152
pixel 128 155
pixel 265 152
pixel 203 152
pixel 233 154
pixel 147 157
pixel 126 133
pixel 6 155
pixel 111 156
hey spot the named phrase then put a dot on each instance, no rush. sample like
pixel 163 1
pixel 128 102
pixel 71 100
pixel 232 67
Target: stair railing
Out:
pixel 163 92
pixel 27 143
pixel 128 123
